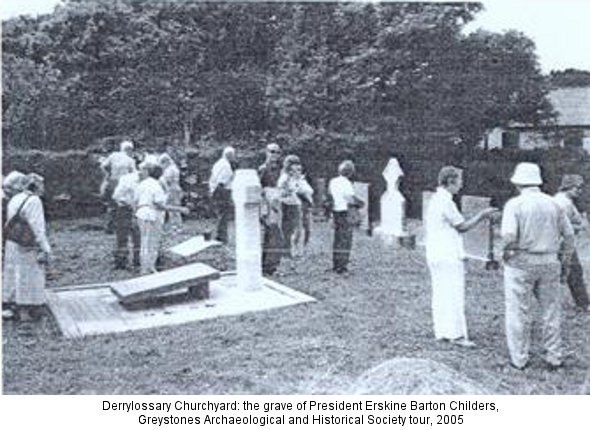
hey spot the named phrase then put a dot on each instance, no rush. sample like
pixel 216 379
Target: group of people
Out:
pixel 287 200
pixel 538 252
pixel 537 229
pixel 140 198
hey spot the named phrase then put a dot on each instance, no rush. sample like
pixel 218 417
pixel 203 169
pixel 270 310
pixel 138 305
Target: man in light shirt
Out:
pixel 222 175
pixel 570 189
pixel 536 235
pixel 344 199
pixel 114 167
pixel 445 257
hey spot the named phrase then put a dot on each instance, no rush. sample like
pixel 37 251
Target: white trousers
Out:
pixel 448 299
pixel 150 232
pixel 521 285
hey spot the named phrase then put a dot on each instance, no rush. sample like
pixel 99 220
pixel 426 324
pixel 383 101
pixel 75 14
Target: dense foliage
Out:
pixel 198 72
pixel 570 78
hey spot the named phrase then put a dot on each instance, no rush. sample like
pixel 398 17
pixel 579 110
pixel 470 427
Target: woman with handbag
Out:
pixel 26 252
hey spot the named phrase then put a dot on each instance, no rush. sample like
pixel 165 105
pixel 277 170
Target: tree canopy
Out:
pixel 185 70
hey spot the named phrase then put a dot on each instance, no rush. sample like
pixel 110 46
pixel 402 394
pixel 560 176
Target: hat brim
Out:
pixel 524 183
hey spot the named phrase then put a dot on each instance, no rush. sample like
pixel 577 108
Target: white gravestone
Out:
pixel 476 241
pixel 361 190
pixel 392 204
pixel 247 193
pixel 426 196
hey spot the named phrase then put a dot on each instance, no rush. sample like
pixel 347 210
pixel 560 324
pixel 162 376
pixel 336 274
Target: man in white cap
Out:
pixel 114 167
pixel 536 236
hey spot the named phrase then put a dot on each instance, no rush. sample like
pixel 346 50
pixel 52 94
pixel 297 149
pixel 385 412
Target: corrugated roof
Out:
pixel 572 105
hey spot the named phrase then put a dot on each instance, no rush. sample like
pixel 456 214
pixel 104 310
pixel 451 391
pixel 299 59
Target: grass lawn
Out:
pixel 378 312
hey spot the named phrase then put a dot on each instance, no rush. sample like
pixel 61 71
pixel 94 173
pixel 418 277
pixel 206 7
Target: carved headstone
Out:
pixel 393 204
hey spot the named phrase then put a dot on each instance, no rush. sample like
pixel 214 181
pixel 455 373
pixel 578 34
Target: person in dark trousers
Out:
pixel 272 242
pixel 125 223
pixel 220 182
pixel 343 201
pixel 570 189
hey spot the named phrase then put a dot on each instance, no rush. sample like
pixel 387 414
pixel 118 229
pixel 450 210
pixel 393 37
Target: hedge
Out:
pixel 73 177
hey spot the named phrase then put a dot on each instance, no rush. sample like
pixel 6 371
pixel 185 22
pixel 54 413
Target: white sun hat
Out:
pixel 527 174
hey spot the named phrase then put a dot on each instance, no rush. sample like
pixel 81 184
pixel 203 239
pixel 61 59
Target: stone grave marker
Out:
pixel 193 246
pixel 476 241
pixel 393 205
pixel 426 196
pixel 247 197
pixel 361 189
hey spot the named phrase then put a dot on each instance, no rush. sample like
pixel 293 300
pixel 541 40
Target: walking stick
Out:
pixel 492 263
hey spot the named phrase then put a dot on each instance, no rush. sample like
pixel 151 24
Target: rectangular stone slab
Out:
pixel 163 282
pixel 361 189
pixel 476 240
pixel 193 246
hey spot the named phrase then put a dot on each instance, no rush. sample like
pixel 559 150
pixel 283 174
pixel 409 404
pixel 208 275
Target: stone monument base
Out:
pixel 405 240
pixel 86 310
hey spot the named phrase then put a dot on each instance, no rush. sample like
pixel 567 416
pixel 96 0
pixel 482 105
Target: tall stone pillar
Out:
pixel 246 194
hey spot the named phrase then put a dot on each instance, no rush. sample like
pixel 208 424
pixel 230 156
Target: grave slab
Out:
pixel 193 246
pixel 87 310
pixel 189 276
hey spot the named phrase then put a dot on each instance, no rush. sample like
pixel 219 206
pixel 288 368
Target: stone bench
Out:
pixel 195 277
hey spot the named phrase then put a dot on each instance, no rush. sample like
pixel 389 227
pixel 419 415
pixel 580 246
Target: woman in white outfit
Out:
pixel 444 254
pixel 26 253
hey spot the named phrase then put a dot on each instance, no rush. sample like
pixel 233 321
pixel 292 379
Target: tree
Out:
pixel 569 78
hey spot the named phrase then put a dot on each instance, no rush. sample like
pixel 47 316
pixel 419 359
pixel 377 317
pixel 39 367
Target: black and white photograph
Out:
pixel 295 198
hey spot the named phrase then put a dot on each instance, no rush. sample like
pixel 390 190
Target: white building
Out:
pixel 571 127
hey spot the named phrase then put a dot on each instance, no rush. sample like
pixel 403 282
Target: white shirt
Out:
pixel 126 189
pixel 221 174
pixel 535 221
pixel 118 164
pixel 342 193
pixel 149 193
pixel 443 240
